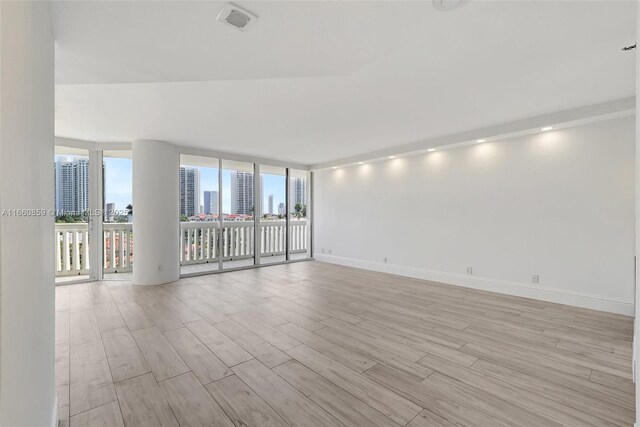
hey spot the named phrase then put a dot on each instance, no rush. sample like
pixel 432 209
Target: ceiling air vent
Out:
pixel 237 17
pixel 448 4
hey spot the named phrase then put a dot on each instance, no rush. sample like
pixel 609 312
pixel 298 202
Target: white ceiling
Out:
pixel 319 81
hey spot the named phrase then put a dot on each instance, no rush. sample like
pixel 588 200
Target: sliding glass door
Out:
pixel 273 215
pixel 299 224
pixel 72 215
pixel 117 217
pixel 199 214
pixel 238 213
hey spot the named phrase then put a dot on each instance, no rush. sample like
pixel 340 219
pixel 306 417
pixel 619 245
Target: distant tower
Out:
pixel 210 202
pixel 109 212
pixel 241 193
pixel 189 191
pixel 270 204
pixel 72 185
pixel 299 187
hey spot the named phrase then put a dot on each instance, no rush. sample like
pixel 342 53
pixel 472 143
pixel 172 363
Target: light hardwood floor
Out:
pixel 314 344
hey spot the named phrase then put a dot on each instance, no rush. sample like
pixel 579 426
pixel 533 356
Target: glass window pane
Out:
pixel 299 227
pixel 71 188
pixel 199 214
pixel 117 202
pixel 273 230
pixel 238 214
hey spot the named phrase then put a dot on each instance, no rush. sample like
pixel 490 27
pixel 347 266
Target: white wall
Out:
pixel 155 212
pixel 636 332
pixel 27 355
pixel 559 204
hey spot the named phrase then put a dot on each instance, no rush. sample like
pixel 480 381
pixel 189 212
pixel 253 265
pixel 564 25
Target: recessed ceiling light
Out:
pixel 335 167
pixel 546 128
pixel 480 141
pixel 431 149
pixel 392 157
pixel 361 163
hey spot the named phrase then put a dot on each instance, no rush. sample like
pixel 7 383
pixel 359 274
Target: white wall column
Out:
pixel 155 213
pixel 27 313
pixel 636 324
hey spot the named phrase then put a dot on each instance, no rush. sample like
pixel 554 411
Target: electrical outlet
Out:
pixel 160 267
pixel 469 270
pixel 535 278
pixel 384 260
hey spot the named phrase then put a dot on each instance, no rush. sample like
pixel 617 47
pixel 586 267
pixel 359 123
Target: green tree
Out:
pixel 300 210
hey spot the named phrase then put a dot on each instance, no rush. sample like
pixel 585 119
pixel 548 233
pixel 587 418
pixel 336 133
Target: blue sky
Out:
pixel 117 182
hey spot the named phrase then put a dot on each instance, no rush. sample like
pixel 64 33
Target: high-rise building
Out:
pixel 241 193
pixel 270 205
pixel 210 202
pixel 299 191
pixel 72 185
pixel 109 212
pixel 189 191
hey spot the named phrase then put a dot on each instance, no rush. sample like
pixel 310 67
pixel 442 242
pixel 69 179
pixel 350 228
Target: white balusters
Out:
pixel 199 240
pixel 118 247
pixel 72 249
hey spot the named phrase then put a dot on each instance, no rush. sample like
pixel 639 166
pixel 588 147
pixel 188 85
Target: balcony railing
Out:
pixel 199 240
pixel 117 244
pixel 198 243
pixel 72 248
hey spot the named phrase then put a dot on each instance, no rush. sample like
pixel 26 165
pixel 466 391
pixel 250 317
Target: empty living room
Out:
pixel 359 213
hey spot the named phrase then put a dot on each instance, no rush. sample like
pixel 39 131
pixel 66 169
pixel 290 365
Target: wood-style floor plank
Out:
pixel 342 405
pixel 123 354
pixel 90 381
pixel 202 362
pixel 163 360
pixel 103 416
pixel 62 373
pixel 83 327
pixel 293 406
pixel 342 355
pixel 221 345
pixel 243 406
pixel 429 419
pixel 385 401
pixel 320 344
pixel 191 403
pixel 108 317
pixel 143 404
pixel 256 346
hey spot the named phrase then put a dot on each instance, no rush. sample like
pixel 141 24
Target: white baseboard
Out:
pixel 578 299
pixel 55 415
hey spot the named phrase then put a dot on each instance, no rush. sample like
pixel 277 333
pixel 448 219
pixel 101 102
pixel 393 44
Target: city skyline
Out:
pixel 117 180
pixel 118 187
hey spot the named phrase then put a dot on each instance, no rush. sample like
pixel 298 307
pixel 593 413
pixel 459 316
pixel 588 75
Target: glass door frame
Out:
pixel 95 220
pixel 257 194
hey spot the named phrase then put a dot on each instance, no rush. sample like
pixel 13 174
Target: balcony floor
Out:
pixel 84 277
pixel 318 344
